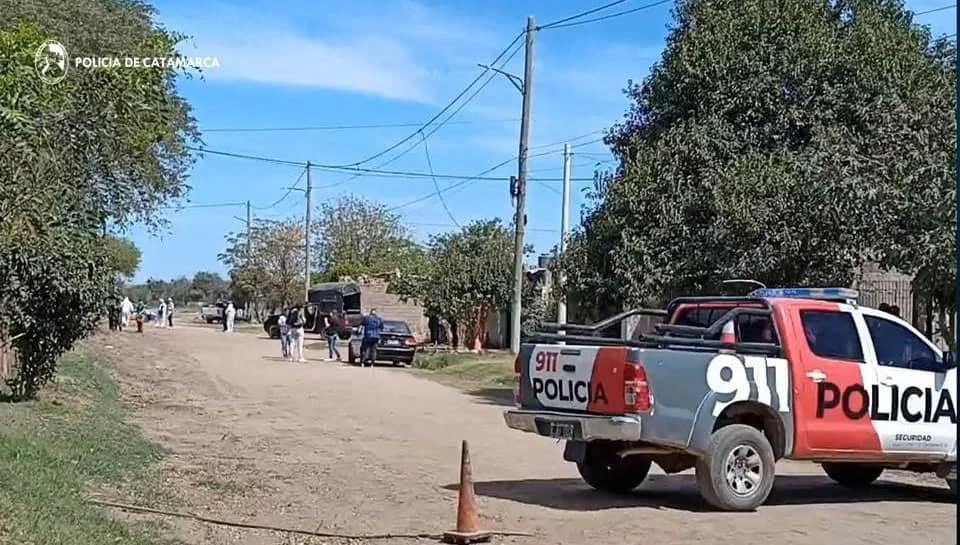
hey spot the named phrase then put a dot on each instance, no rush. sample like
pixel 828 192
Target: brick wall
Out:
pixel 373 294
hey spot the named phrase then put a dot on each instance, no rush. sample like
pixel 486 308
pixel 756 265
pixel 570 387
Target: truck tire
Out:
pixel 852 475
pixel 737 471
pixel 351 357
pixel 952 483
pixel 603 470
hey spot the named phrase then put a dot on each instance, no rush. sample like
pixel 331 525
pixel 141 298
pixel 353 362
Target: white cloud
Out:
pixel 403 52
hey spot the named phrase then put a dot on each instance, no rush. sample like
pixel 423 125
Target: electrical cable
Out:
pixel 442 111
pixel 348 127
pixel 453 186
pixel 285 195
pixel 206 205
pixel 935 10
pixel 436 185
pixel 581 14
pixel 605 17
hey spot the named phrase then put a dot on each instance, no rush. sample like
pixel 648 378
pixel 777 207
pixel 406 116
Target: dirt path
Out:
pixel 341 448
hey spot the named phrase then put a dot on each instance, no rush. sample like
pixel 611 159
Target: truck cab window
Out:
pixel 897 346
pixel 831 335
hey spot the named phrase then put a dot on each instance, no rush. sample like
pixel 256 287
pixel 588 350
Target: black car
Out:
pixel 396 345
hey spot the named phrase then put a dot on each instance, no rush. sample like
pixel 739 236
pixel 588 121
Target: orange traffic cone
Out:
pixel 468 527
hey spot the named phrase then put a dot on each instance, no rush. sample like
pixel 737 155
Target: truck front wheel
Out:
pixel 852 475
pixel 604 470
pixel 737 471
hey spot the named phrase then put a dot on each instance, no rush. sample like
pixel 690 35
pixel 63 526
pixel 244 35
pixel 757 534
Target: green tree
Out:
pixel 354 236
pixel 463 276
pixel 783 141
pixel 271 273
pixel 102 147
pixel 124 255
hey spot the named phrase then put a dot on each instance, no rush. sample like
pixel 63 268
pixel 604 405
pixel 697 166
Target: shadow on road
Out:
pixel 680 492
pixel 493 396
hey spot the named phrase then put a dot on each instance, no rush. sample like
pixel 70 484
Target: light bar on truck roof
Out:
pixel 808 293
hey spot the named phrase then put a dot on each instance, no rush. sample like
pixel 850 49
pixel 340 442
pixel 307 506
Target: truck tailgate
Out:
pixel 584 379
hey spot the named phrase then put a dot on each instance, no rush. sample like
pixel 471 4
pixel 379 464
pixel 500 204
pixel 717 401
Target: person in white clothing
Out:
pixel 126 310
pixel 162 313
pixel 231 316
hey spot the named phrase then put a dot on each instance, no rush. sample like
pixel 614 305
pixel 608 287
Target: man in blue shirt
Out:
pixel 372 325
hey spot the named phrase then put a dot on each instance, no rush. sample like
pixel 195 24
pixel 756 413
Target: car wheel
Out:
pixel 852 475
pixel 737 471
pixel 605 471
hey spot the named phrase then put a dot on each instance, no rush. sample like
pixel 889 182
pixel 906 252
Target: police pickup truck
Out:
pixel 729 385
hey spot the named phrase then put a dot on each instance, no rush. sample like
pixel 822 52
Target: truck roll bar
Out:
pixel 601 325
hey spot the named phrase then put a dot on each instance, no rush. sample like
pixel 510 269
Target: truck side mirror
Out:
pixel 949 359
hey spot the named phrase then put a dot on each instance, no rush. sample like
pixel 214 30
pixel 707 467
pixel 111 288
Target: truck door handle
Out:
pixel 816 375
pixel 887 381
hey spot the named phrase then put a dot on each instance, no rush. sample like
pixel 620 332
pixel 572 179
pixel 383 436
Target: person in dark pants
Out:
pixel 332 333
pixel 371 325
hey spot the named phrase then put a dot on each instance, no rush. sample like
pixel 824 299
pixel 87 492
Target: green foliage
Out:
pixel 123 255
pixel 205 287
pixel 782 141
pixel 354 236
pixel 271 272
pixel 464 275
pixel 101 147
pixel 52 453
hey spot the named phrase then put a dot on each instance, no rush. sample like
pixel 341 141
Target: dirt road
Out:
pixel 338 448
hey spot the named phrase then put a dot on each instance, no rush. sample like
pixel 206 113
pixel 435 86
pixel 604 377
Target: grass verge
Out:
pixel 55 451
pixel 488 376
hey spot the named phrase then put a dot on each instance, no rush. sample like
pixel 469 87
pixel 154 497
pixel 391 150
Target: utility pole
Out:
pixel 306 238
pixel 249 253
pixel 521 217
pixel 564 226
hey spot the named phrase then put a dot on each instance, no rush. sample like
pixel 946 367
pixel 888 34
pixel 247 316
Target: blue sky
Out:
pixel 291 63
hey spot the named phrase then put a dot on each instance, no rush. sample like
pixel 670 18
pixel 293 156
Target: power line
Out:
pixel 441 112
pixel 348 127
pixel 453 186
pixel 605 17
pixel 935 10
pixel 206 205
pixel 436 185
pixel 449 117
pixel 359 171
pixel 581 14
pixel 285 195
pixel 422 224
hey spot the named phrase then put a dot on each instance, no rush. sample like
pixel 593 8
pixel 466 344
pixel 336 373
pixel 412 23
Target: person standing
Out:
pixel 170 311
pixel 231 313
pixel 332 333
pixel 372 326
pixel 284 330
pixel 140 309
pixel 126 309
pixel 162 313
pixel 296 321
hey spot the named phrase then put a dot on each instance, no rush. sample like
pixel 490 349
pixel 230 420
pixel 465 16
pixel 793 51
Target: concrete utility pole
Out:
pixel 521 217
pixel 249 253
pixel 306 238
pixel 564 226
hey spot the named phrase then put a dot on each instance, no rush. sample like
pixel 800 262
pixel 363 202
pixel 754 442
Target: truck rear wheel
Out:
pixel 737 471
pixel 604 470
pixel 852 475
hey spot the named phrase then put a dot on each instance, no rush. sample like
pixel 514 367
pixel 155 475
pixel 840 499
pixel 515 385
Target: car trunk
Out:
pixel 579 379
pixel 393 340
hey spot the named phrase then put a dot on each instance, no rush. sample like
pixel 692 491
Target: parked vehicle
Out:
pixel 211 313
pixel 396 345
pixel 729 385
pixel 342 298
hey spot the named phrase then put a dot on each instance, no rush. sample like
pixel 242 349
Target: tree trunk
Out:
pixel 454 335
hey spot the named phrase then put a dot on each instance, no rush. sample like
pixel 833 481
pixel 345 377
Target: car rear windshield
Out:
pixel 399 328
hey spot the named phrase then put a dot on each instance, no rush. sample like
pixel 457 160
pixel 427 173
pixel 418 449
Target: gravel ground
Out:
pixel 329 447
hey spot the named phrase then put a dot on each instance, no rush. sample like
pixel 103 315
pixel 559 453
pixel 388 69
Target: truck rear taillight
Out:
pixel 636 390
pixel 516 380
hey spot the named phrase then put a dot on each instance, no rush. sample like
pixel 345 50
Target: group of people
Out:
pixel 292 322
pixel 165 313
pixel 123 311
